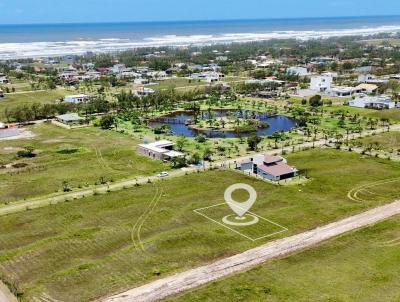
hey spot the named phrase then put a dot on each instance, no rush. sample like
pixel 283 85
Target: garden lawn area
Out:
pixel 93 247
pixel 78 156
pixel 360 266
pixel 19 99
pixel 389 141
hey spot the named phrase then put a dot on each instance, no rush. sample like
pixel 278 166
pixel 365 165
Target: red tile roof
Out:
pixel 278 169
pixel 269 159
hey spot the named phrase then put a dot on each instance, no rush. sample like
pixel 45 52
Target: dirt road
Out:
pixel 193 278
pixel 5 294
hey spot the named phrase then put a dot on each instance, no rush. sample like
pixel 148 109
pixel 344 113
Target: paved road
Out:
pixel 193 278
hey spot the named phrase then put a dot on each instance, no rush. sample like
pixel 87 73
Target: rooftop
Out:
pixel 278 169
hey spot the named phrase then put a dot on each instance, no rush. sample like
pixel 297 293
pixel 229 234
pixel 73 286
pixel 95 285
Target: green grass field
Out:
pixel 18 99
pixel 360 266
pixel 93 247
pixel 389 141
pixel 79 156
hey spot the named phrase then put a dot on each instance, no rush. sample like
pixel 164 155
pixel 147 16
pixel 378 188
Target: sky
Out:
pixel 90 11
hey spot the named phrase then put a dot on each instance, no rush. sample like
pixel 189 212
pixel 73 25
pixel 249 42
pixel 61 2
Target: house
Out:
pixel 321 83
pixel 343 91
pixel 210 76
pixel 141 81
pixel 143 91
pixel 377 102
pixel 3 79
pixel 371 79
pixel 368 88
pixel 274 168
pixel 1 93
pixel 70 119
pixel 78 98
pixel 159 150
pixel 297 70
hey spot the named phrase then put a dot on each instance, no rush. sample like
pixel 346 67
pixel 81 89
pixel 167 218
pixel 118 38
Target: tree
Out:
pixel 27 152
pixel 316 101
pixel 181 142
pixel 253 142
pixel 108 121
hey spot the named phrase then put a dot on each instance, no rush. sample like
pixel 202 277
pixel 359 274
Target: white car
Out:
pixel 163 174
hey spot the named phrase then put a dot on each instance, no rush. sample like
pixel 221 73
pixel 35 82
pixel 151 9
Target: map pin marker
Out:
pixel 240 208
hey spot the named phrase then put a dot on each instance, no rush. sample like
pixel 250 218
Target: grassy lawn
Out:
pixel 92 247
pixel 79 156
pixel 18 99
pixel 360 266
pixel 389 141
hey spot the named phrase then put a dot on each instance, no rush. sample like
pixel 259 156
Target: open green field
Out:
pixel 389 141
pixel 18 99
pixel 78 156
pixel 361 266
pixel 93 247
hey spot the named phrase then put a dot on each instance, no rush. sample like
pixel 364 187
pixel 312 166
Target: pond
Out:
pixel 179 123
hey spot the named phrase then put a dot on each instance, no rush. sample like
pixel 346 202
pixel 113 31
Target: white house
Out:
pixel 379 102
pixel 371 79
pixel 159 150
pixel 343 91
pixel 3 79
pixel 321 83
pixel 297 70
pixel 78 98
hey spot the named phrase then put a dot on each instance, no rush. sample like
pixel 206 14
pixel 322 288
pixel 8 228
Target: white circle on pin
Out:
pixel 240 208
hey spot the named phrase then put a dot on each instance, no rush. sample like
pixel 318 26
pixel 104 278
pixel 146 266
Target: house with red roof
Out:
pixel 274 168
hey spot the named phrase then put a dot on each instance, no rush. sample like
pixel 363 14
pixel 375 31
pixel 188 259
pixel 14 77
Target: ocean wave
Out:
pixel 53 49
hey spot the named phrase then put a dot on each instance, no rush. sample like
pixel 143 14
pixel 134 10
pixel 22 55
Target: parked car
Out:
pixel 163 174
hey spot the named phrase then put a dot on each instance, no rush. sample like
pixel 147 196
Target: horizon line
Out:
pixel 200 20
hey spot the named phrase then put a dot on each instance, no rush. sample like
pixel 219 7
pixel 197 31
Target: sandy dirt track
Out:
pixel 193 278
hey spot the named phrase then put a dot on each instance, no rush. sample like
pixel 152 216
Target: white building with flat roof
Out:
pixel 321 83
pixel 78 98
pixel 160 150
pixel 375 102
pixel 297 70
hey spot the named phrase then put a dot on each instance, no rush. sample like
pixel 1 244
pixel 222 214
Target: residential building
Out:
pixel 274 168
pixel 297 70
pixel 70 119
pixel 368 88
pixel 321 83
pixel 343 91
pixel 3 79
pixel 376 102
pixel 159 150
pixel 78 98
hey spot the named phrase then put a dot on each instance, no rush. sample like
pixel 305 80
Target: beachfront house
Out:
pixel 76 99
pixel 374 102
pixel 274 168
pixel 159 150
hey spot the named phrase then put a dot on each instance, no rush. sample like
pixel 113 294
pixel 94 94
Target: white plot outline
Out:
pixel 284 229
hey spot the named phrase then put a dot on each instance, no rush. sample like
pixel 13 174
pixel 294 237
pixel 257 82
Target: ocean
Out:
pixel 45 40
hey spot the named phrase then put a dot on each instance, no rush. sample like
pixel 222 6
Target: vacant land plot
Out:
pixel 79 157
pixel 389 141
pixel 104 244
pixel 26 98
pixel 362 266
